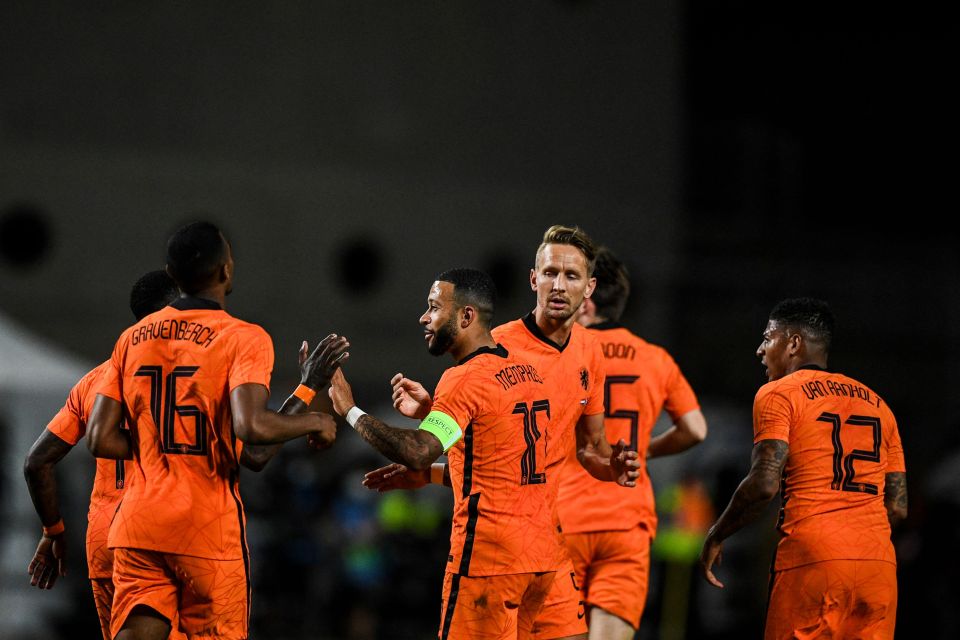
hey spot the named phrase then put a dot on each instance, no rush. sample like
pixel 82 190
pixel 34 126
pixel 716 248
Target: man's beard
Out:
pixel 443 338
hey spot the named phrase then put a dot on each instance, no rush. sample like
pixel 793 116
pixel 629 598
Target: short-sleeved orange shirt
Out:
pixel 504 512
pixel 70 425
pixel 843 440
pixel 642 379
pixel 575 371
pixel 173 372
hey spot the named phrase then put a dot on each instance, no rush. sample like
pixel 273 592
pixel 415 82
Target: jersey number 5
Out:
pixel 843 472
pixel 632 416
pixel 165 410
pixel 531 434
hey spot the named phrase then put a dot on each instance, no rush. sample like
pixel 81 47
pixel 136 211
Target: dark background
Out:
pixel 733 154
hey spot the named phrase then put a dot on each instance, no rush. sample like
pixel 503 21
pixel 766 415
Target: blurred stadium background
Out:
pixel 733 154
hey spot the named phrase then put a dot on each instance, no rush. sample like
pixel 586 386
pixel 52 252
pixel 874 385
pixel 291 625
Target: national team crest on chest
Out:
pixel 584 378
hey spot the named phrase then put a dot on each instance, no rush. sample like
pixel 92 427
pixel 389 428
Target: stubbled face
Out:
pixel 439 321
pixel 774 351
pixel 561 281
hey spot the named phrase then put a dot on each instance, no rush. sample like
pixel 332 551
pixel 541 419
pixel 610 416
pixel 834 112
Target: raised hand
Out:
pixel 341 394
pixel 325 434
pixel 49 561
pixel 624 465
pixel 318 367
pixel 410 398
pixel 395 476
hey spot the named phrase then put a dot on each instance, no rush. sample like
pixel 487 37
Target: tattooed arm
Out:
pixel 747 503
pixel 415 448
pixel 895 497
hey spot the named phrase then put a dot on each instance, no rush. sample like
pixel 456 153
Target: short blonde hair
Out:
pixel 573 236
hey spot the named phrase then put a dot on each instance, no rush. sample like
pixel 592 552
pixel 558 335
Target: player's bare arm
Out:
pixel 255 457
pixel 396 476
pixel 105 437
pixel 688 431
pixel 602 461
pixel 49 560
pixel 895 496
pixel 414 448
pixel 755 491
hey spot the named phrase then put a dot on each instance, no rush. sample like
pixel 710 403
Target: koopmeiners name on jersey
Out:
pixel 818 389
pixel 509 376
pixel 171 329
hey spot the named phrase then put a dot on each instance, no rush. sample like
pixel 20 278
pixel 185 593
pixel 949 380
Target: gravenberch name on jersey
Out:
pixel 819 389
pixel 170 329
pixel 509 376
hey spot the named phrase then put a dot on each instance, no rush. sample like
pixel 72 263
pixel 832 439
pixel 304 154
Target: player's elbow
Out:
pixel 253 429
pixel 694 426
pixel 34 465
pixel 767 487
pixel 896 513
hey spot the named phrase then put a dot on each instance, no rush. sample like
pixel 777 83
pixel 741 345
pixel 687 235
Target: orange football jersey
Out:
pixel 70 425
pixel 503 520
pixel 642 379
pixel 173 372
pixel 843 439
pixel 575 373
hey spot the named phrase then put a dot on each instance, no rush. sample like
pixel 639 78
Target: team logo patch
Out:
pixel 584 378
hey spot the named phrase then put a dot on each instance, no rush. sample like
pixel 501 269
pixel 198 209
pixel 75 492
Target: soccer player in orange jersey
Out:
pixel 150 293
pixel 191 381
pixel 608 529
pixel 831 445
pixel 571 360
pixel 493 414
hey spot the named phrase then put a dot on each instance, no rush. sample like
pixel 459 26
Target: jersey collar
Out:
pixel 189 303
pixel 605 325
pixel 499 351
pixel 812 367
pixel 530 321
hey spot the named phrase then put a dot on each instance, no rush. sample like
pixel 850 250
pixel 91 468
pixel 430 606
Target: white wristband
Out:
pixel 353 415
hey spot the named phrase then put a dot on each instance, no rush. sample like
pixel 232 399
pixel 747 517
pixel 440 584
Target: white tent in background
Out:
pixel 35 378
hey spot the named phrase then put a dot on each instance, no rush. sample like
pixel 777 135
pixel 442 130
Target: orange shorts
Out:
pixel 834 598
pixel 613 568
pixel 563 614
pixel 491 607
pixel 211 597
pixel 103 599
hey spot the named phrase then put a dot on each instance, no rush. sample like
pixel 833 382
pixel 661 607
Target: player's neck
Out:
pixel 556 330
pixel 215 294
pixel 807 360
pixel 470 343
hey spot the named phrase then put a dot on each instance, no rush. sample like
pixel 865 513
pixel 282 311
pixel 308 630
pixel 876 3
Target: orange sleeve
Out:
pixel 69 424
pixel 110 382
pixel 772 416
pixel 895 460
pixel 598 378
pixel 254 360
pixel 455 397
pixel 680 396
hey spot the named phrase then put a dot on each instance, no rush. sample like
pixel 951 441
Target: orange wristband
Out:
pixel 54 530
pixel 305 393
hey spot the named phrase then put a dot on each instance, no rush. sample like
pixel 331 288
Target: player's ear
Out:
pixel 794 343
pixel 533 279
pixel 591 285
pixel 468 315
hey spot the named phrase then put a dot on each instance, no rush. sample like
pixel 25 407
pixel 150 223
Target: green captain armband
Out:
pixel 443 426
